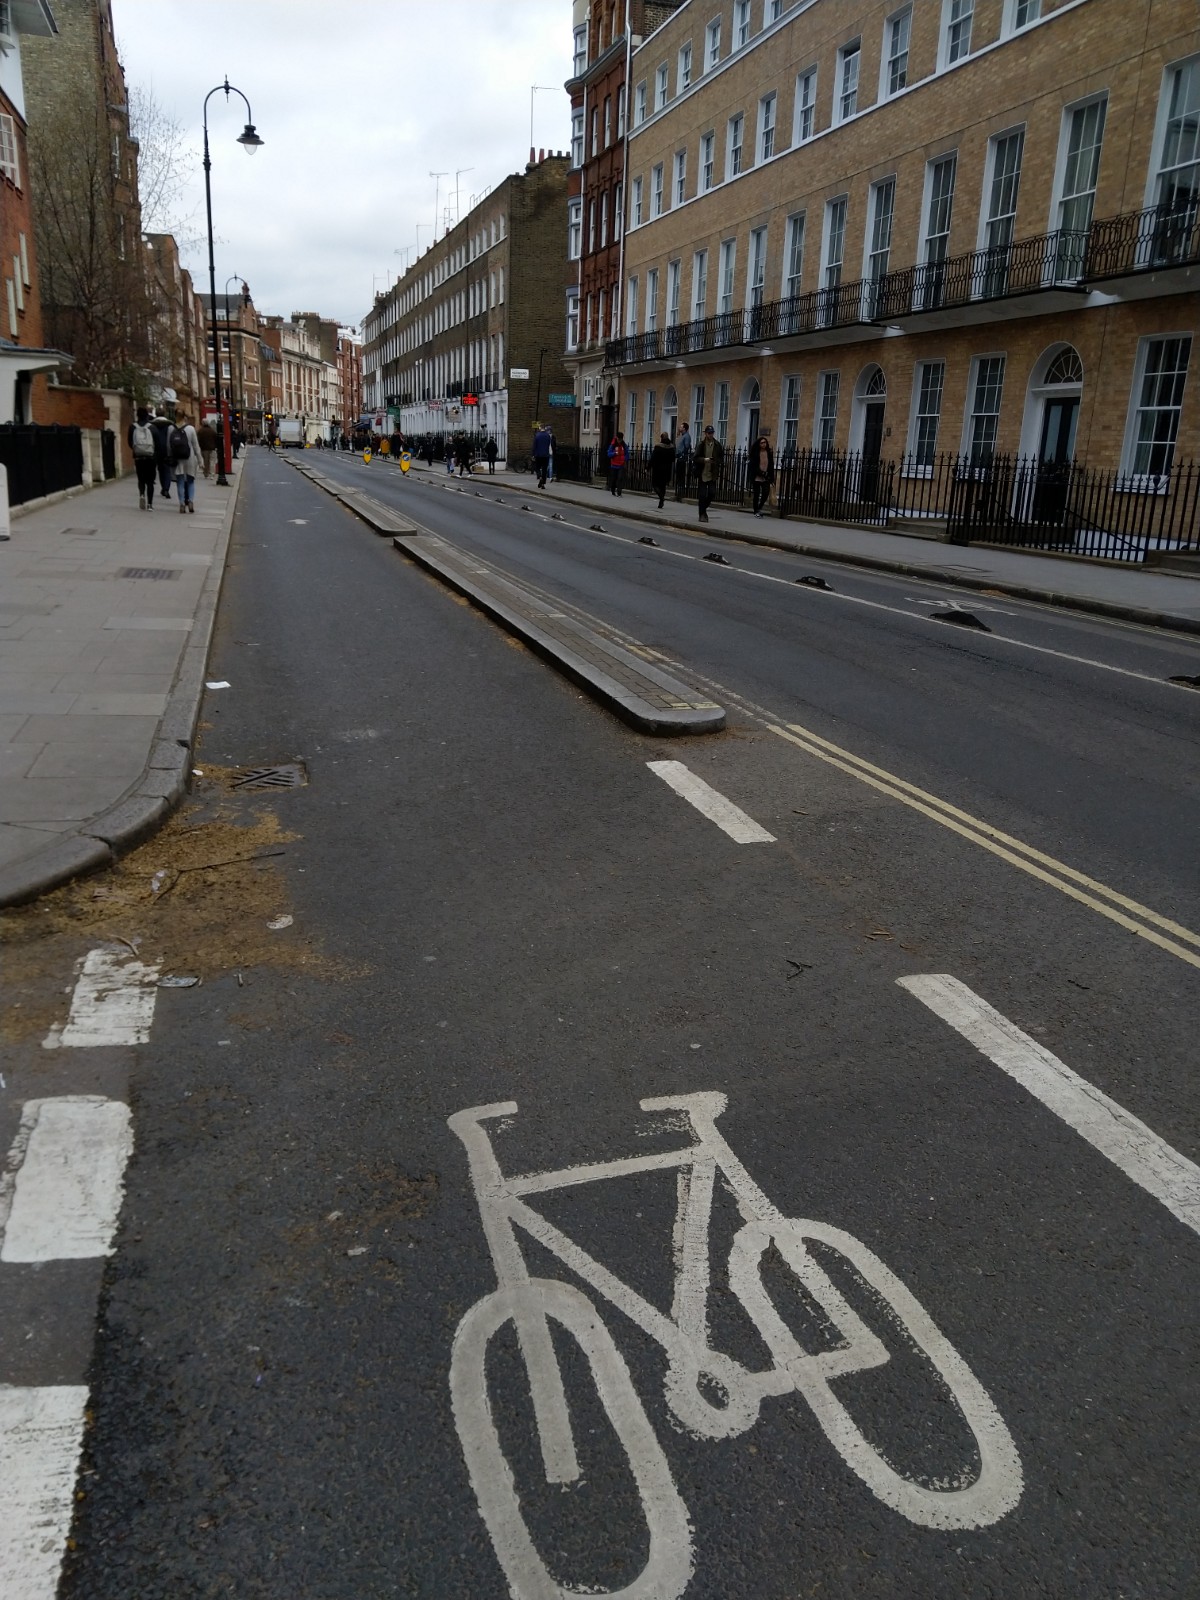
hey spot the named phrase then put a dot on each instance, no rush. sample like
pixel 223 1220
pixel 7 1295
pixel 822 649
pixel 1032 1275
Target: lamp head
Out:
pixel 249 140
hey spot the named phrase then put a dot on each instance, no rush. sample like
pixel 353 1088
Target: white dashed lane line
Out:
pixel 728 817
pixel 68 1165
pixel 112 1003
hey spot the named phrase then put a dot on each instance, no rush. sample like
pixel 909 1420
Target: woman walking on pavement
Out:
pixel 762 465
pixel 186 462
pixel 617 457
pixel 662 465
pixel 142 444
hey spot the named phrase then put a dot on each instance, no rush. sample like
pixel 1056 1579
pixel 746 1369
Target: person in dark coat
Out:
pixel 662 465
pixel 762 471
pixel 491 450
pixel 162 453
pixel 683 457
pixel 142 446
pixel 710 453
pixel 543 445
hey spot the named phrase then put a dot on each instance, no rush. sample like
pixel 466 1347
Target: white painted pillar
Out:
pixel 5 526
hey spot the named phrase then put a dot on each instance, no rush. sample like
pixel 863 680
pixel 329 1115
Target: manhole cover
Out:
pixel 288 775
pixel 148 572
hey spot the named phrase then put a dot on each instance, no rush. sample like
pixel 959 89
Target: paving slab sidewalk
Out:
pixel 1132 594
pixel 106 613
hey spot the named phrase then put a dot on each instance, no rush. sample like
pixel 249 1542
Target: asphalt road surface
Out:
pixel 582 1194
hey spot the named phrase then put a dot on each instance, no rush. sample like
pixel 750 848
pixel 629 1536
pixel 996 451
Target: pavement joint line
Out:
pixel 643 695
pixel 150 799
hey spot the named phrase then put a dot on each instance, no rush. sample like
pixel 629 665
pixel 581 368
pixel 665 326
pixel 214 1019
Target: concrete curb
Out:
pixel 631 708
pixel 164 780
pixel 638 713
pixel 1015 591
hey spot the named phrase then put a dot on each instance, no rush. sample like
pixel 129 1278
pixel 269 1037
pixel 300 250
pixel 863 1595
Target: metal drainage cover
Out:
pixel 148 572
pixel 289 775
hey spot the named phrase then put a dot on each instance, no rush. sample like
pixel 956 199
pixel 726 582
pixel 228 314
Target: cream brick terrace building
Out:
pixel 936 226
pixel 482 302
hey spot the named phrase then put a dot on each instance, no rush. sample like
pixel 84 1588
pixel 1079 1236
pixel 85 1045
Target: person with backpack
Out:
pixel 617 458
pixel 143 446
pixel 186 462
pixel 162 453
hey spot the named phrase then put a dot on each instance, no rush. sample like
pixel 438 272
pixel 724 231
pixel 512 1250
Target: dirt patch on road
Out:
pixel 200 897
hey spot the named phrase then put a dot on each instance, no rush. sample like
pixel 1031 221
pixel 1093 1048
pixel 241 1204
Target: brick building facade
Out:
pixel 177 329
pixel 483 301
pixel 940 226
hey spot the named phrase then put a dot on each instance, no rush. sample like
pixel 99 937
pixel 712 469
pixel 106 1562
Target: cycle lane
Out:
pixel 576 886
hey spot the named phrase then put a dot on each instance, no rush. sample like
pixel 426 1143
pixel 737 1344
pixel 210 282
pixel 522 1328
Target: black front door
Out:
pixel 871 447
pixel 1055 454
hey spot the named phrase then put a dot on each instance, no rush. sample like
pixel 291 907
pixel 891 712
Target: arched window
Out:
pixel 876 388
pixel 1065 368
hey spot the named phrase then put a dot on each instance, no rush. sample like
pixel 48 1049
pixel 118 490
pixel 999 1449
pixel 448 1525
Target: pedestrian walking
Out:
pixel 162 453
pixel 543 444
pixel 662 465
pixel 683 457
pixel 491 450
pixel 464 457
pixel 186 462
pixel 207 435
pixel 449 458
pixel 762 463
pixel 143 447
pixel 617 457
pixel 710 453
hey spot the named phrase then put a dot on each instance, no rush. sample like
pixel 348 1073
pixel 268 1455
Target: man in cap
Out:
pixel 708 458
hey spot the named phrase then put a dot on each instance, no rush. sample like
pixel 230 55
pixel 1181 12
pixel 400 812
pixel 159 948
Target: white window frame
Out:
pixel 604 219
pixel 683 68
pixel 574 229
pixel 890 55
pixel 804 107
pixel 712 44
pixel 660 86
pixel 572 319
pixel 726 273
pixel 635 204
pixel 793 255
pixel 849 81
pixel 735 125
pixel 756 267
pixel 674 287
pixel 699 285
pixel 1014 21
pixel 595 131
pixel 651 417
pixel 679 178
pixel 972 416
pixel 790 393
pixel 618 211
pixel 830 233
pixel 877 238
pixel 1158 150
pixel 621 101
pixel 631 305
pixel 986 218
pixel 579 56
pixel 708 161
pixel 10 155
pixel 651 324
pixel 656 190
pixel 768 107
pixel 721 411
pixel 829 384
pixel 591 226
pixel 1143 479
pixel 639 104
pixel 741 24
pixel 1070 255
pixel 958 27
pixel 698 399
pixel 772 11
pixel 607 120
pixel 915 467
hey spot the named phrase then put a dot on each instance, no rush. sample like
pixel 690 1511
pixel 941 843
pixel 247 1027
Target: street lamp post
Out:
pixel 249 141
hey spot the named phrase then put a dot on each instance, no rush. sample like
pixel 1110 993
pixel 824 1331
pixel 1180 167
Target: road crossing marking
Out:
pixel 112 1004
pixel 1076 885
pixel 728 817
pixel 1127 1142
pixel 65 1179
pixel 41 1437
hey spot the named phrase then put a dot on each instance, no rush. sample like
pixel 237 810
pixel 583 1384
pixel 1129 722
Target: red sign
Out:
pixel 470 400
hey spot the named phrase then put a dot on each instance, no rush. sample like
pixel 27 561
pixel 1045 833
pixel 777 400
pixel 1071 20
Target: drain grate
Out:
pixel 288 775
pixel 148 572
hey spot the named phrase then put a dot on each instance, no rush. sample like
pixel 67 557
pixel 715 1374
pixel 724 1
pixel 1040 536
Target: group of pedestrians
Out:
pixel 673 460
pixel 166 452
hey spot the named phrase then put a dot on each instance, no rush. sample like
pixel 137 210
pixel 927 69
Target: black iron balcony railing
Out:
pixel 1144 241
pixel 839 307
pixel 1046 261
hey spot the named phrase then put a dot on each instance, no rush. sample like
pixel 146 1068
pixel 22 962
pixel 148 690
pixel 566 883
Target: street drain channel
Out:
pixel 148 572
pixel 288 775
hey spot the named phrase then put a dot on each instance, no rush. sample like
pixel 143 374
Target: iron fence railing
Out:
pixel 41 460
pixel 1143 241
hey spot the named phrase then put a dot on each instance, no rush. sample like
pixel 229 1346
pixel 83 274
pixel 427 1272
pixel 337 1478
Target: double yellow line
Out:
pixel 1118 908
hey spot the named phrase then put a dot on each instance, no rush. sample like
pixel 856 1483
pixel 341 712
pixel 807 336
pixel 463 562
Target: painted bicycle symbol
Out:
pixel 711 1394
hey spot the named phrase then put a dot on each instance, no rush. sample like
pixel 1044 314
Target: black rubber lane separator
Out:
pixel 814 583
pixel 961 619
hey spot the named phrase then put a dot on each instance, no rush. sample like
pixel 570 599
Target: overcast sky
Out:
pixel 356 105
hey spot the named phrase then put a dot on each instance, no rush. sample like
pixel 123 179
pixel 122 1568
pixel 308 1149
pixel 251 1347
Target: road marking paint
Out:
pixel 113 1002
pixel 728 817
pixel 65 1179
pixel 41 1435
pixel 1127 1142
pixel 1060 877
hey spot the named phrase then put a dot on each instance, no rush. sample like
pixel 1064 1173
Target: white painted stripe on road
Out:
pixel 1127 1142
pixel 66 1172
pixel 41 1435
pixel 113 1002
pixel 728 817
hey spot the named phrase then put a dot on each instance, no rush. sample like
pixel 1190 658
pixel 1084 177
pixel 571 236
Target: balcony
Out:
pixel 1144 253
pixel 828 316
pixel 1029 278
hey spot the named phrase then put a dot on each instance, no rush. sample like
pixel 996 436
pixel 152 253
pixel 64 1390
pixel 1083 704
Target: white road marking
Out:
pixel 728 817
pixel 41 1434
pixel 65 1179
pixel 1127 1142
pixel 112 1004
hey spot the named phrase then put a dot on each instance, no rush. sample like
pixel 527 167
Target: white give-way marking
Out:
pixel 41 1434
pixel 62 1191
pixel 113 1002
pixel 1127 1142
pixel 729 818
